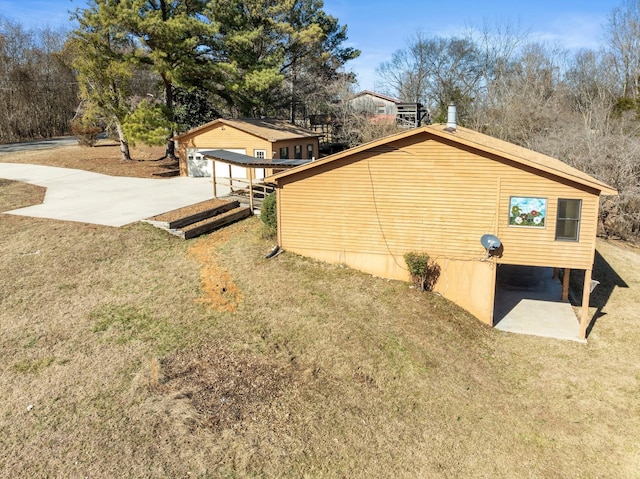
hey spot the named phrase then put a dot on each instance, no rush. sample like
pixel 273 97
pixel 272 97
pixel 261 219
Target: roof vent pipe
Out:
pixel 451 116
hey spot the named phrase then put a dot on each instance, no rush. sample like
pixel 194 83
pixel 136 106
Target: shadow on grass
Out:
pixel 609 281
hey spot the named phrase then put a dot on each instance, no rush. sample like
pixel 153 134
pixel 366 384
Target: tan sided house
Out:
pixel 439 189
pixel 256 138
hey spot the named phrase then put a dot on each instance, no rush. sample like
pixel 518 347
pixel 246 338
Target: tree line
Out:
pixel 247 58
pixel 144 69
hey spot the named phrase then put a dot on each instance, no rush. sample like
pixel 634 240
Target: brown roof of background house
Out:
pixel 379 95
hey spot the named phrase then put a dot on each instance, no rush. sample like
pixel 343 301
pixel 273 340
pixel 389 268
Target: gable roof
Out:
pixel 478 141
pixel 267 129
pixel 377 95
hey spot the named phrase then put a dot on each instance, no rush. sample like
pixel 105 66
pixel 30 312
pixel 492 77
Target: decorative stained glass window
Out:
pixel 530 212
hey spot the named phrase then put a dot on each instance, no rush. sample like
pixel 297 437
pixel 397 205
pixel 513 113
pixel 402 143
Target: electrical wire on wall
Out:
pixel 468 255
pixel 375 206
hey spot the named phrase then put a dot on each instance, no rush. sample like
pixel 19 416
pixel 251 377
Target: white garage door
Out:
pixel 198 165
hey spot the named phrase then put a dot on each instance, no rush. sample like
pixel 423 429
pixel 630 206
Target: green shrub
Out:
pixel 424 272
pixel 269 213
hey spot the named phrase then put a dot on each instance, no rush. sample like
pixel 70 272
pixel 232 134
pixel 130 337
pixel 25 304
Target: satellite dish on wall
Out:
pixel 490 242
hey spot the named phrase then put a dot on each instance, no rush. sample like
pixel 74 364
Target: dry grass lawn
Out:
pixel 127 352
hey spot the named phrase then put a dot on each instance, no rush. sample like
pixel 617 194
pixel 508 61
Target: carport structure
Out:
pixel 251 164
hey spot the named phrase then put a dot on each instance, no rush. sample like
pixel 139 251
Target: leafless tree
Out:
pixel 434 71
pixel 38 92
pixel 593 88
pixel 623 42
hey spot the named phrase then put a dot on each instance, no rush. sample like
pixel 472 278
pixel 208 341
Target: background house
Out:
pixel 383 108
pixel 439 189
pixel 375 104
pixel 257 138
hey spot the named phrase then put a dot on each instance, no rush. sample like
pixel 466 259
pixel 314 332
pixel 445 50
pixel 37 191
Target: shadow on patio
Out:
pixel 529 301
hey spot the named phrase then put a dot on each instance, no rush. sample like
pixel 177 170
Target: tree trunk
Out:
pixel 124 145
pixel 170 151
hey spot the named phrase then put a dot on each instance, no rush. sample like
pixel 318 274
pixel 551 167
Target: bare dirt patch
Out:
pixel 218 287
pixel 228 390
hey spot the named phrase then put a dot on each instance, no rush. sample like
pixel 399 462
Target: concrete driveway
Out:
pixel 77 195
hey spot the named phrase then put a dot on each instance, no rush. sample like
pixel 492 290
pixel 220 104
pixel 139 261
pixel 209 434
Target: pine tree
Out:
pixel 261 57
pixel 170 37
pixel 266 47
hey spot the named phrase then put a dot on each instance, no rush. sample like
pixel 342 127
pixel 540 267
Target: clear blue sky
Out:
pixel 380 27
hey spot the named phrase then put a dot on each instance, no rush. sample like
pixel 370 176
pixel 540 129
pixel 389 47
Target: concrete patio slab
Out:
pixel 83 196
pixel 542 318
pixel 529 301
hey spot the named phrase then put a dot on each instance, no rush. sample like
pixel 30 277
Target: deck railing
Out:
pixel 240 187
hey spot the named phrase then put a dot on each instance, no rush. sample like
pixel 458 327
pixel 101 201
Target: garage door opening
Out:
pixel 528 300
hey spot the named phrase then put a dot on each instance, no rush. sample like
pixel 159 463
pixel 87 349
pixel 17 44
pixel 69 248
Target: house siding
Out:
pixel 422 194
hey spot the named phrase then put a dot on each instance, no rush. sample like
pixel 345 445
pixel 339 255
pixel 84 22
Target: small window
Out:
pixel 309 151
pixel 284 153
pixel 568 220
pixel 381 110
pixel 297 152
pixel 261 154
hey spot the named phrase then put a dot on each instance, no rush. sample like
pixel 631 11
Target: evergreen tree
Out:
pixel 261 57
pixel 170 37
pixel 313 62
pixel 267 48
pixel 173 38
pixel 194 107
